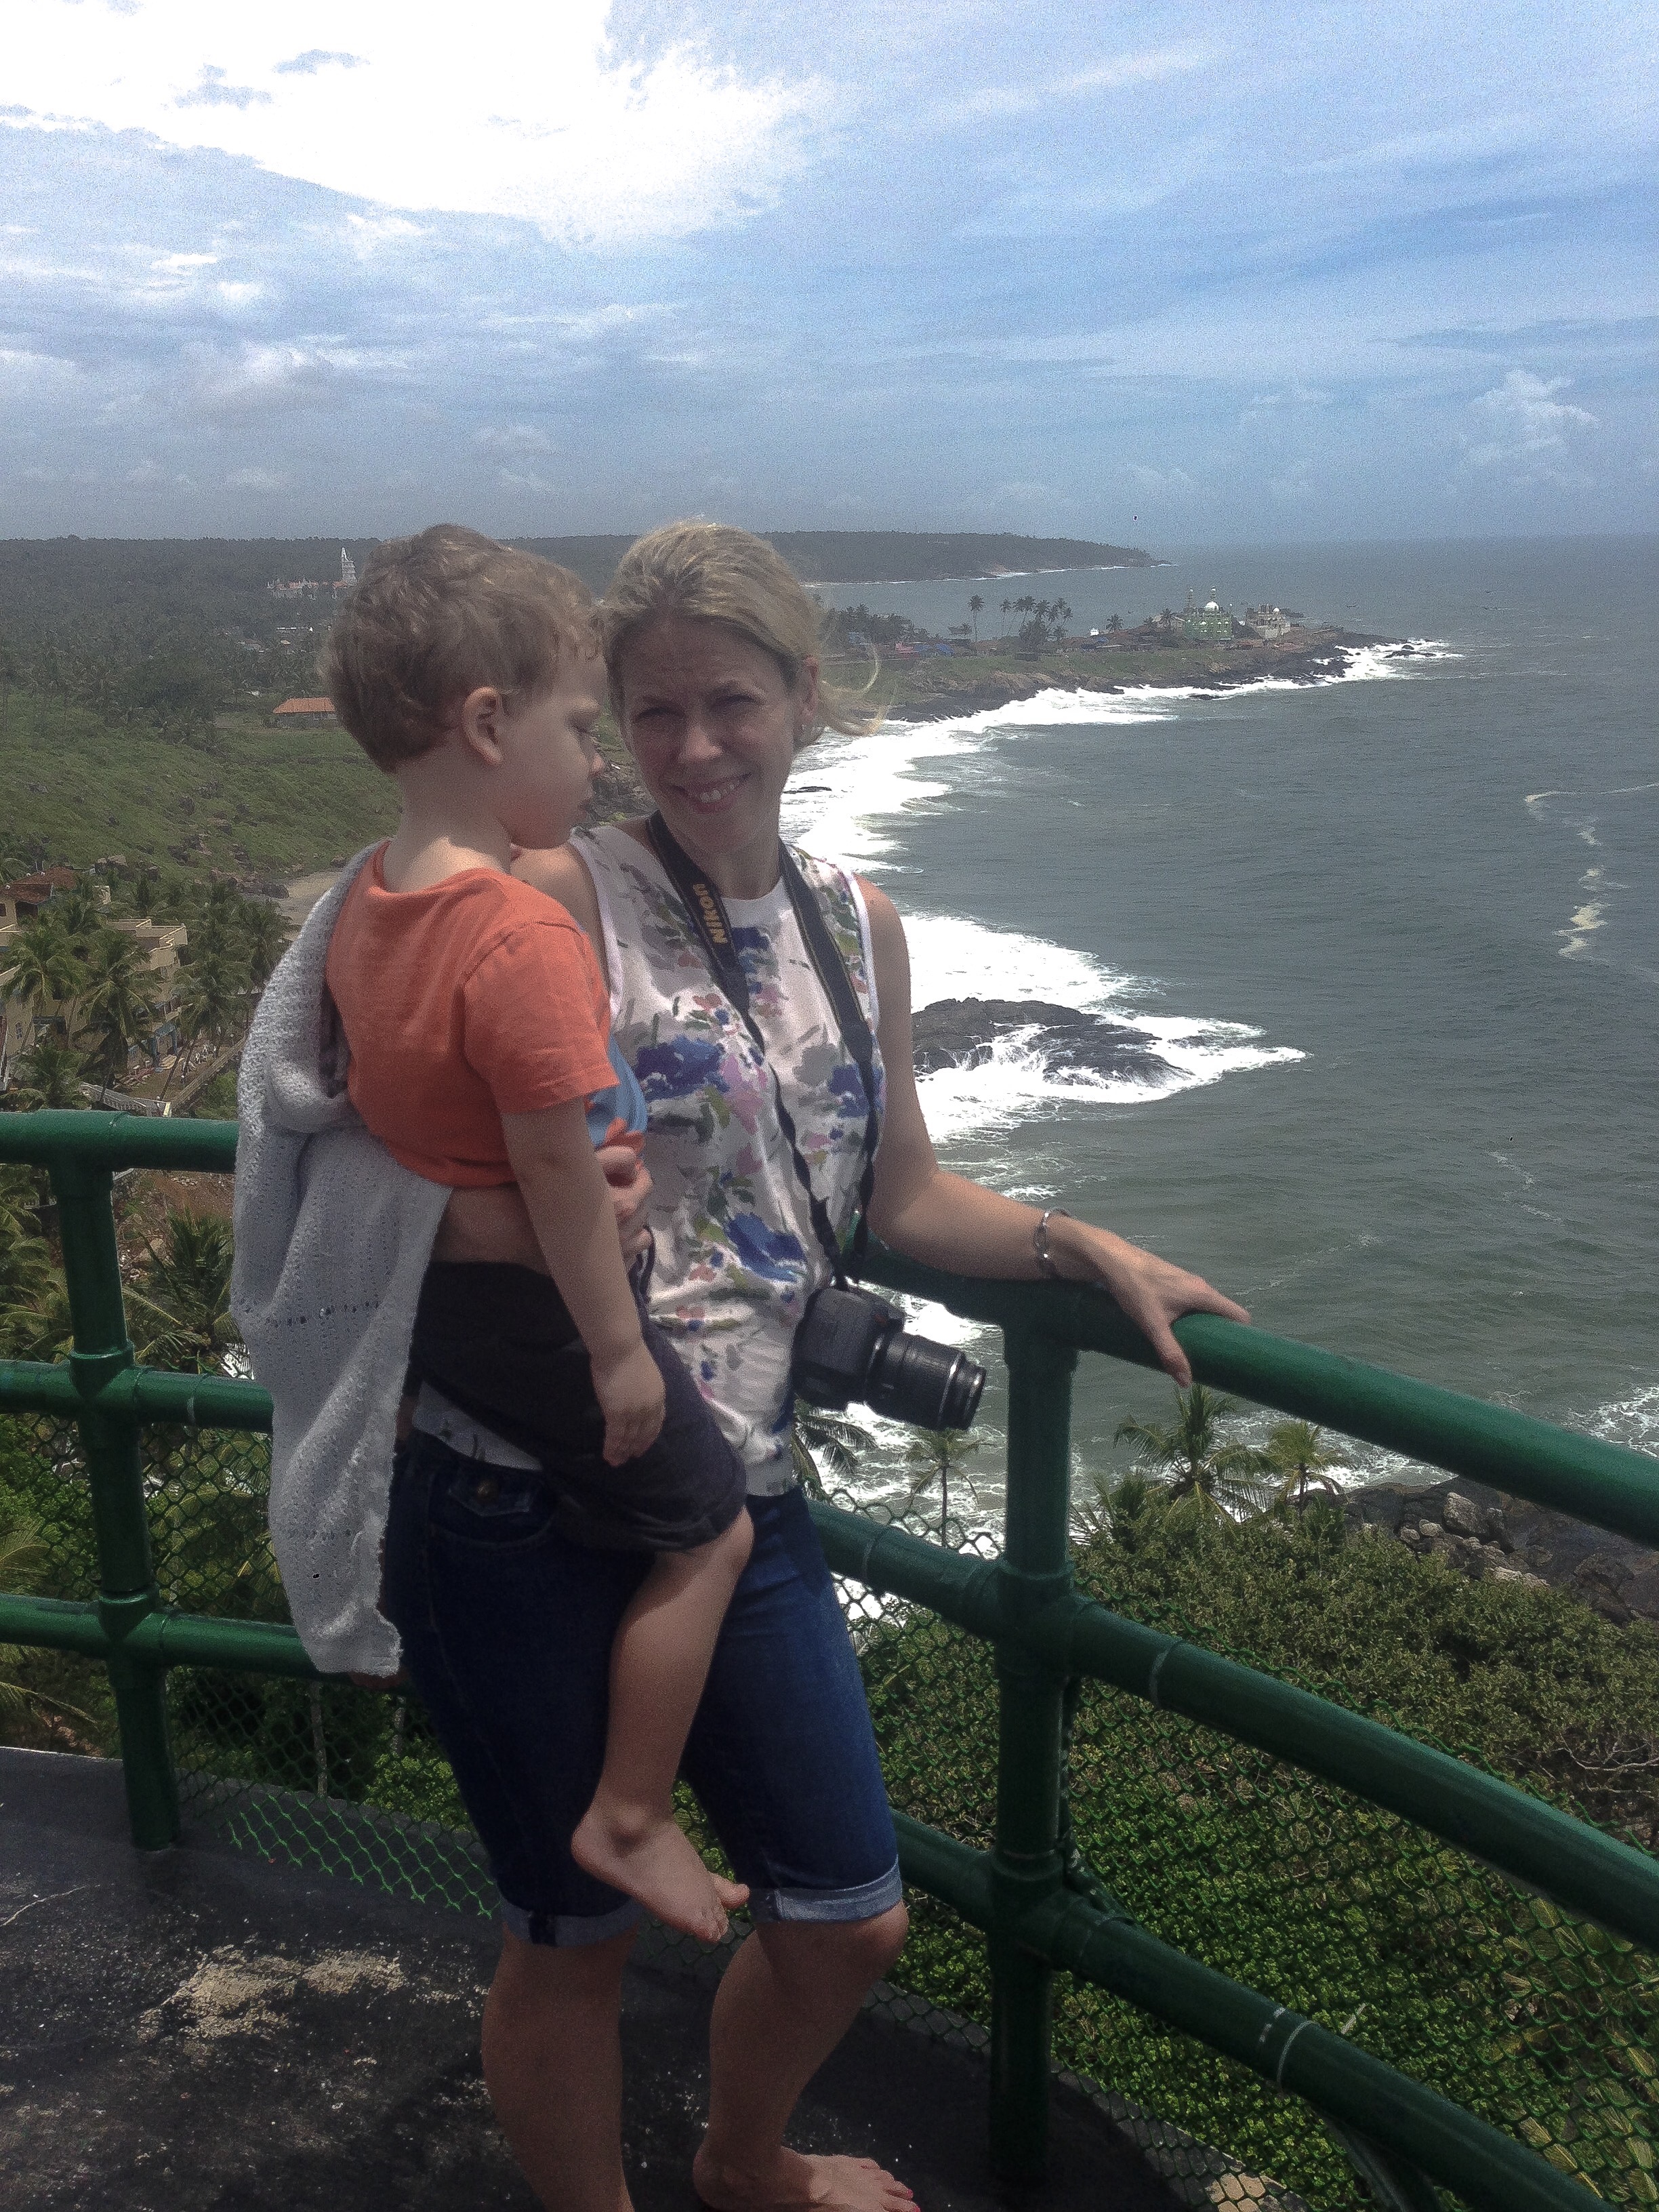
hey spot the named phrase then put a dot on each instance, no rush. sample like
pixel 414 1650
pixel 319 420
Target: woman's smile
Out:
pixel 711 798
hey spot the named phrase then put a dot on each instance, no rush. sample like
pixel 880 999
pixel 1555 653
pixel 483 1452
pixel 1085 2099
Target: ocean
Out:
pixel 1395 937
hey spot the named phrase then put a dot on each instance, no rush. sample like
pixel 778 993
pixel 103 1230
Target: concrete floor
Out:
pixel 195 2030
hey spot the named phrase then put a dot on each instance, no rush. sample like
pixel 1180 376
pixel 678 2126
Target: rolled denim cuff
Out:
pixel 869 1899
pixel 570 1931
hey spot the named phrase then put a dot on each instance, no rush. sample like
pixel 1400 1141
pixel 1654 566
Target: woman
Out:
pixel 712 661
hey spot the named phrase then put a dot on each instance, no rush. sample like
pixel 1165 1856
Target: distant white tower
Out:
pixel 348 568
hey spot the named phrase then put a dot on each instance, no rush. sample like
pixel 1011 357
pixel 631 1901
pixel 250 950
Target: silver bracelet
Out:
pixel 1045 1258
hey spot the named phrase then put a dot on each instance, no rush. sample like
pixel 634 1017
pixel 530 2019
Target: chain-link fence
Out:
pixel 1538 2021
pixel 1534 2019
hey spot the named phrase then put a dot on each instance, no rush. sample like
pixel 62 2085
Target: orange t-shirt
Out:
pixel 477 998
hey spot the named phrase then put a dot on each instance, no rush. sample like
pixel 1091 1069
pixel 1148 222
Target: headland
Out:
pixel 1000 674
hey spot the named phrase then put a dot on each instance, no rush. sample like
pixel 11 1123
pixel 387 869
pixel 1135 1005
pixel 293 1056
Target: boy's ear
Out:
pixel 479 718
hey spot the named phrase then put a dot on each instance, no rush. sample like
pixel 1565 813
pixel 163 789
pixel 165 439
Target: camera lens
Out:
pixel 933 1385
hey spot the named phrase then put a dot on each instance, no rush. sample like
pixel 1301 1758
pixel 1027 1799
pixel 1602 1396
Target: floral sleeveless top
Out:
pixel 737 1258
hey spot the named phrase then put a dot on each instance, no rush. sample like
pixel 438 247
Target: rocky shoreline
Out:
pixel 1307 657
pixel 962 1032
pixel 1492 1537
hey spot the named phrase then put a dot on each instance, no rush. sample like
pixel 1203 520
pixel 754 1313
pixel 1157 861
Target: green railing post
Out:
pixel 126 1575
pixel 1025 1865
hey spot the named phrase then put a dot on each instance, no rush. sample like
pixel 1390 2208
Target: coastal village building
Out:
pixel 1267 620
pixel 304 714
pixel 1208 624
pixel 311 587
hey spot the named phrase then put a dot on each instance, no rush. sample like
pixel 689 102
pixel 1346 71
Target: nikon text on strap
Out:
pixel 705 910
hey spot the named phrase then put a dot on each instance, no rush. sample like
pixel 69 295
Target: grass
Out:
pixel 247 799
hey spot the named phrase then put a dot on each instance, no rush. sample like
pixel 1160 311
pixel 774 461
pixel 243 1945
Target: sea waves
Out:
pixel 954 957
pixel 864 799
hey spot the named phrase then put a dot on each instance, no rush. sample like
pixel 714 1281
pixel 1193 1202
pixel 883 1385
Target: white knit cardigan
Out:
pixel 332 1239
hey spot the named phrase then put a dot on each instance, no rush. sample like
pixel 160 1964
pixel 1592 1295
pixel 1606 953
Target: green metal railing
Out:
pixel 1040 1912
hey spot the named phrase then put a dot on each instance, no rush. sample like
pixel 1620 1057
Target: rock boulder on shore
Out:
pixel 960 1032
pixel 1492 1536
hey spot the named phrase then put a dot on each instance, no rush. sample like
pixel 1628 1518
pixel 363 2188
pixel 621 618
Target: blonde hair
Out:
pixel 709 572
pixel 435 616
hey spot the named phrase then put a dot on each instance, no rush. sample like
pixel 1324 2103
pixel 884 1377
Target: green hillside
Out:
pixel 127 589
pixel 255 802
pixel 908 556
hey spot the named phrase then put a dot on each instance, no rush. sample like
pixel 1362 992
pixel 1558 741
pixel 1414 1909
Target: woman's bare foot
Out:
pixel 655 1861
pixel 802 2185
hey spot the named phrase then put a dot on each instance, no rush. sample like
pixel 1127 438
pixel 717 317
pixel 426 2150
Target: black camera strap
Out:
pixel 705 910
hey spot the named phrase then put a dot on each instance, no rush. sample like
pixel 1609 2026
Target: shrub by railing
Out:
pixel 1157 1823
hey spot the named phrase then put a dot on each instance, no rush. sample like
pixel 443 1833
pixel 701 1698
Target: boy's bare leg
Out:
pixel 788 1998
pixel 552 2063
pixel 629 1836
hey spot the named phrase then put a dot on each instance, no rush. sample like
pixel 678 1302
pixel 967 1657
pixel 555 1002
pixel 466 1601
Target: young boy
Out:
pixel 479 1034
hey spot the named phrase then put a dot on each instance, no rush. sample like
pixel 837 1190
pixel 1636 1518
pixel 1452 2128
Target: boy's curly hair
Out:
pixel 433 618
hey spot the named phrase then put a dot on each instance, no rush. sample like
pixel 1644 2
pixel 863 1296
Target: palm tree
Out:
pixel 52 1073
pixel 265 940
pixel 1190 1458
pixel 183 1295
pixel 1114 622
pixel 1007 609
pixel 821 1436
pixel 1297 1455
pixel 23 1561
pixel 44 965
pixel 1118 1511
pixel 26 1270
pixel 114 1007
pixel 975 609
pixel 208 1006
pixel 77 912
pixel 937 1454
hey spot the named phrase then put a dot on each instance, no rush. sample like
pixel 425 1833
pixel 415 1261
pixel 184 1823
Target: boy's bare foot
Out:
pixel 656 1862
pixel 802 2185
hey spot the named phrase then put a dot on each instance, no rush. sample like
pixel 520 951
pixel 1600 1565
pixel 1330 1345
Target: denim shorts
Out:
pixel 506 1628
pixel 499 1342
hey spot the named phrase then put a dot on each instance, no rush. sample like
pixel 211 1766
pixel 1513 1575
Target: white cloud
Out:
pixel 1296 394
pixel 530 113
pixel 1109 76
pixel 1525 428
pixel 367 234
pixel 315 58
pixel 513 439
pixel 1164 483
pixel 1292 484
pixel 264 380
pixel 256 480
pixel 213 91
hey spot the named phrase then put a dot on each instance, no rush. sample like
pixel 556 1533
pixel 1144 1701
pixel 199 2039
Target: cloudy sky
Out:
pixel 1158 272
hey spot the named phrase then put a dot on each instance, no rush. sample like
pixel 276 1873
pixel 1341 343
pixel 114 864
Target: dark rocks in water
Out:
pixel 960 1033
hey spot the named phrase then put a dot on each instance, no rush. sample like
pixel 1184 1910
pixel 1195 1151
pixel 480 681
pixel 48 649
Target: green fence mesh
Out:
pixel 1536 2021
pixel 1539 2022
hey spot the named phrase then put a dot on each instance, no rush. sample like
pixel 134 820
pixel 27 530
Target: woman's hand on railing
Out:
pixel 1151 1292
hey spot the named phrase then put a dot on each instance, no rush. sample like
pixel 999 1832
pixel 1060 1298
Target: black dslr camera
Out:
pixel 851 1344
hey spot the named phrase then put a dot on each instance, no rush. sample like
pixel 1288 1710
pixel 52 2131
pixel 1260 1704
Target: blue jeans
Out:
pixel 506 1628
